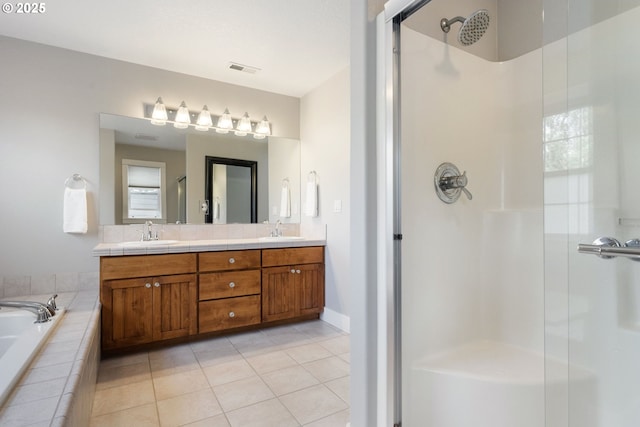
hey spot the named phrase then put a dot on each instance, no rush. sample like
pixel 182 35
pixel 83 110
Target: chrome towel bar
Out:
pixel 608 247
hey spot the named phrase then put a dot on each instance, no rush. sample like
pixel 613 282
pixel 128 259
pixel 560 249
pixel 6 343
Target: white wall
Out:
pixel 325 126
pixel 49 125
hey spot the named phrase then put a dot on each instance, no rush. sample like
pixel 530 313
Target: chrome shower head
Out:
pixel 473 27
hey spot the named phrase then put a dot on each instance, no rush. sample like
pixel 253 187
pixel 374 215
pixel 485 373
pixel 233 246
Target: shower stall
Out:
pixel 512 138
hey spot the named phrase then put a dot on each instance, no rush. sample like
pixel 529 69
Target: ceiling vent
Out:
pixel 145 137
pixel 244 68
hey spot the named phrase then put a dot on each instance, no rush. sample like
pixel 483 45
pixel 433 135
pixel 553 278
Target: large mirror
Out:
pixel 186 192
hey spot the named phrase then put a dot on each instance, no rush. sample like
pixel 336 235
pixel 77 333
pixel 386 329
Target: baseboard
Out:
pixel 336 319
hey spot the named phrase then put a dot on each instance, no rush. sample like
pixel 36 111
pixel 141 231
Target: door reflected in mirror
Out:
pixel 231 190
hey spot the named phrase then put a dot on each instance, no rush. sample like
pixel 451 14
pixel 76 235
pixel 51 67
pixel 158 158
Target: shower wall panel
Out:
pixel 472 270
pixel 472 277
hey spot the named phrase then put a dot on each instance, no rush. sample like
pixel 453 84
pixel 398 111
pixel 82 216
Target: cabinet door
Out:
pixel 127 307
pixel 174 306
pixel 278 293
pixel 311 288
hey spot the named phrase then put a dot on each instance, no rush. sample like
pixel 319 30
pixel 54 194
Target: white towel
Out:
pixel 216 209
pixel 285 202
pixel 75 210
pixel 311 204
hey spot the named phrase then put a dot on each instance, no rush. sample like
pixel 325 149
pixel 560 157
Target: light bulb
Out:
pixel 244 125
pixel 225 123
pixel 182 120
pixel 159 115
pixel 263 128
pixel 204 120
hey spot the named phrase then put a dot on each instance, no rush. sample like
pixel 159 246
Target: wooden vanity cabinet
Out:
pixel 229 291
pixel 292 282
pixel 147 298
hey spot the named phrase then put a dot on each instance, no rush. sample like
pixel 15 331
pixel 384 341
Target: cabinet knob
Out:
pixel 232 260
pixel 292 270
pixel 298 271
pixel 232 285
pixel 147 285
pixel 232 314
pixel 157 284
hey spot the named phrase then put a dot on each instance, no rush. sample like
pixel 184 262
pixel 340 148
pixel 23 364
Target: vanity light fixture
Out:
pixel 182 120
pixel 159 116
pixel 225 123
pixel 244 125
pixel 204 121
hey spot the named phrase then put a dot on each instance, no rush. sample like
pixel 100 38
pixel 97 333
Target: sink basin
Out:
pixel 140 243
pixel 280 239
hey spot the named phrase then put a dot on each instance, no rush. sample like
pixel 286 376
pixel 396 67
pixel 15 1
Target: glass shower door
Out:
pixel 591 177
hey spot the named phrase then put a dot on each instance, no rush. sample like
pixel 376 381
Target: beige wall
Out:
pixel 427 21
pixel 49 121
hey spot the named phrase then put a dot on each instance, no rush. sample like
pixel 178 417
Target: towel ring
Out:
pixel 76 182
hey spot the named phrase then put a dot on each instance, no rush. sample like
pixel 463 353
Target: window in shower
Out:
pixel 568 160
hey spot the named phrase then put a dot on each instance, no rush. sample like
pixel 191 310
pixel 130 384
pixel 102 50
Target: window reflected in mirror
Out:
pixel 144 186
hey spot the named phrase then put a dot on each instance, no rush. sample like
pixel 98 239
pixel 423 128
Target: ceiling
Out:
pixel 296 44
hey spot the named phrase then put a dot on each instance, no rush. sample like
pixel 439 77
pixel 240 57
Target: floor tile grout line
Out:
pixel 271 347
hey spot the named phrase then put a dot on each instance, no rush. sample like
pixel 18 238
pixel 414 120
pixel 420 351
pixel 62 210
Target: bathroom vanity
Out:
pixel 152 298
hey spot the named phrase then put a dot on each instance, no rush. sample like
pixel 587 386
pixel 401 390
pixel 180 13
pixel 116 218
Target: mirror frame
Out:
pixel 210 161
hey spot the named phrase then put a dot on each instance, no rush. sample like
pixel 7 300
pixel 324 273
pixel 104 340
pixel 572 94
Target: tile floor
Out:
pixel 294 375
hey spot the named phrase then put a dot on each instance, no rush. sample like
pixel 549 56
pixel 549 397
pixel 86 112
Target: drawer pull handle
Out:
pixel 157 284
pixel 232 260
pixel 292 270
pixel 298 271
pixel 232 314
pixel 147 285
pixel 232 285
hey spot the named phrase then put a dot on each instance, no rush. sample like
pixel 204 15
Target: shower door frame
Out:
pixel 389 410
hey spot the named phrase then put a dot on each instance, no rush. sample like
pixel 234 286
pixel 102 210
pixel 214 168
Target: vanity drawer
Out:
pixel 229 260
pixel 229 284
pixel 125 267
pixel 217 315
pixel 292 256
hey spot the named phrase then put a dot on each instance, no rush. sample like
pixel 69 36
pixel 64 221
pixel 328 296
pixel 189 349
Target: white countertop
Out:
pixel 183 246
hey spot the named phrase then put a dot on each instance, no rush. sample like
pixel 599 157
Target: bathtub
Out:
pixel 20 340
pixel 483 384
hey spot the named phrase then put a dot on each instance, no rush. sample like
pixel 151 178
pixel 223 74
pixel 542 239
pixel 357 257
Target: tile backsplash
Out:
pixel 125 233
pixel 13 286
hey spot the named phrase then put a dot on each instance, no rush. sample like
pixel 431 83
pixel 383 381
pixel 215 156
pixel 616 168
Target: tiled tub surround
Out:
pixel 58 387
pixel 12 287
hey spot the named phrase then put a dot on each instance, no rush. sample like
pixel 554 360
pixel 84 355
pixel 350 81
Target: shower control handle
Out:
pixel 459 181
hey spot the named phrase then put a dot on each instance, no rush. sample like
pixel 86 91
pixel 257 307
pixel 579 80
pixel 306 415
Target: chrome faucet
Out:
pixel 147 233
pixel 43 311
pixel 276 231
